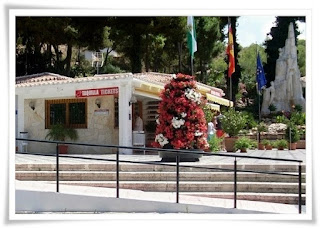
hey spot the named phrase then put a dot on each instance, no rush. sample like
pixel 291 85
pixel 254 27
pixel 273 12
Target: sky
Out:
pixel 254 29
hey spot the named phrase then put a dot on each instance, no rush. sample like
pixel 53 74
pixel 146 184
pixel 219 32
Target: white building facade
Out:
pixel 102 108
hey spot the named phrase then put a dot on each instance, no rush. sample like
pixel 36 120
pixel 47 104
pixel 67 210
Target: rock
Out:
pixel 277 128
pixel 286 89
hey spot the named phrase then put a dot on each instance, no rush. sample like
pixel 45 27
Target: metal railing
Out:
pixel 177 164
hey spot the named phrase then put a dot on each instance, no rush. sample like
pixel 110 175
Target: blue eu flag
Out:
pixel 261 79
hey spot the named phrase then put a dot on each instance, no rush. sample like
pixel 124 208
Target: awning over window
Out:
pixel 153 90
pixel 219 100
pixel 213 106
pixel 149 88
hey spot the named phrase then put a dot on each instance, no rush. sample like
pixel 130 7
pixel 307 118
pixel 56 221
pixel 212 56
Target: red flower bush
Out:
pixel 181 123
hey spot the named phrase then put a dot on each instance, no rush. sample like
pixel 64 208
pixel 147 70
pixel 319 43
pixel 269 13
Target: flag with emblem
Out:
pixel 261 79
pixel 230 53
pixel 192 43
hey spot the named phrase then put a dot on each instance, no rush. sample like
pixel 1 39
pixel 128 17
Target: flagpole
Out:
pixel 191 65
pixel 230 80
pixel 258 91
pixel 258 86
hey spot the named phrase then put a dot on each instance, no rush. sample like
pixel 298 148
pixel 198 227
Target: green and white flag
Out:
pixel 192 43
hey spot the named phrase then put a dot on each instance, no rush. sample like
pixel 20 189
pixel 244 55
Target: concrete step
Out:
pixel 148 168
pixel 185 186
pixel 265 197
pixel 152 176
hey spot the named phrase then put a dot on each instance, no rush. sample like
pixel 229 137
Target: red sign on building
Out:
pixel 217 92
pixel 97 92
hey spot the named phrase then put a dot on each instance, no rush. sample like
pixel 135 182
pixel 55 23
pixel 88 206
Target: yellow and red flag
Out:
pixel 230 53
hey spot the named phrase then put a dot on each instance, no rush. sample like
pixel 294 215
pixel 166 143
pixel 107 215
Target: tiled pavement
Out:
pixel 205 160
pixel 169 197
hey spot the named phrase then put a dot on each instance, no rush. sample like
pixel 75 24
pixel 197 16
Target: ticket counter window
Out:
pixel 69 112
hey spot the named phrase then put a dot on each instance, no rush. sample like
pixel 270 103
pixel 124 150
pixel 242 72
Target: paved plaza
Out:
pixel 299 154
pixel 226 205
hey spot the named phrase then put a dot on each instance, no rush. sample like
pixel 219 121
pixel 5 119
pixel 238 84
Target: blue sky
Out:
pixel 253 29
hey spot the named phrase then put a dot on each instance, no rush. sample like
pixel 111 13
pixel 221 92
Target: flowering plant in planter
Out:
pixel 181 123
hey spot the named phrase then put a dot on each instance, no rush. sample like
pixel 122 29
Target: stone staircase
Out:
pixel 193 181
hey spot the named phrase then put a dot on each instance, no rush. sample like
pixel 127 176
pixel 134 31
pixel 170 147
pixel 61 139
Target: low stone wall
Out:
pixel 267 136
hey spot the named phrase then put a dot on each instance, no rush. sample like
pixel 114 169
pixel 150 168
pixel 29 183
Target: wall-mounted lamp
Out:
pixel 32 105
pixel 132 100
pixel 98 102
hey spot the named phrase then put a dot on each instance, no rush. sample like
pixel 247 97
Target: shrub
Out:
pixel 266 142
pixel 282 119
pixel 298 108
pixel 302 132
pixel 281 143
pixel 292 133
pixel 262 127
pixel 251 122
pixel 274 143
pixel 272 108
pixel 298 118
pixel 208 113
pixel 215 144
pixel 243 143
pixel 232 122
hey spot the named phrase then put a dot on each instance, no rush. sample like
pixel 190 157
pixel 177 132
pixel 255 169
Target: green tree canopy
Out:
pixel 45 43
pixel 302 56
pixel 208 37
pixel 248 63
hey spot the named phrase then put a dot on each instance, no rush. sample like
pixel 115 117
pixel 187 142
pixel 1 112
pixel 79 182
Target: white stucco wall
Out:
pixel 100 128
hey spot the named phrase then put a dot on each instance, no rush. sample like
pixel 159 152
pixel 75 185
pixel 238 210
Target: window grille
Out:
pixel 116 112
pixel 69 112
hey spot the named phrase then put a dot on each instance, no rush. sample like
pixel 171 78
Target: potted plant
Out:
pixel 181 123
pixel 261 127
pixel 281 144
pixel 232 123
pixel 59 132
pixel 301 144
pixel 274 144
pixel 267 144
pixel 292 135
pixel 243 144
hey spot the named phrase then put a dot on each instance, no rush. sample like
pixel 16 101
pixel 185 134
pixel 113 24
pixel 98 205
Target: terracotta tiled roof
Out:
pixel 51 79
pixel 153 77
pixel 41 77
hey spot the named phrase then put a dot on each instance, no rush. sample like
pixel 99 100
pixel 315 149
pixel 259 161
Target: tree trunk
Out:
pixel 136 52
pixel 179 54
pixel 67 61
pixel 147 59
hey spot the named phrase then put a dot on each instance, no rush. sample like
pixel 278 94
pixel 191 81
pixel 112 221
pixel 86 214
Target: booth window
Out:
pixel 116 112
pixel 69 112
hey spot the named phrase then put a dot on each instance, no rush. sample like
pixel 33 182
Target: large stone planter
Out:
pixel 229 143
pixel 184 157
pixel 301 144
